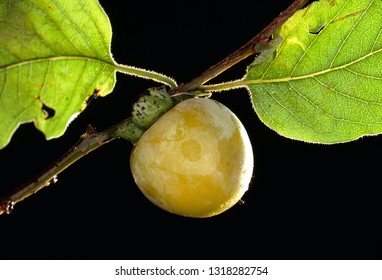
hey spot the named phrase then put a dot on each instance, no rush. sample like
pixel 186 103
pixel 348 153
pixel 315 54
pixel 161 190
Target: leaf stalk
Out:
pixel 146 74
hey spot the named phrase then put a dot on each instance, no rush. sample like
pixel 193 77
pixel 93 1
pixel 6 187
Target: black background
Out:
pixel 306 201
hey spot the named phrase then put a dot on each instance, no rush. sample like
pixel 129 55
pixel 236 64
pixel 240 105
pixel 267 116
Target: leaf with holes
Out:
pixel 54 56
pixel 323 83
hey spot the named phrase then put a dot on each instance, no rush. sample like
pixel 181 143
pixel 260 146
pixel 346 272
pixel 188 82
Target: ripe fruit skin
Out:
pixel 196 160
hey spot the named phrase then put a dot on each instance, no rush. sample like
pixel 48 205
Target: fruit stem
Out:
pixel 146 74
pixel 88 142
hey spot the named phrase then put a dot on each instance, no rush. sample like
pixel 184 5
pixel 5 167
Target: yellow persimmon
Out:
pixel 196 160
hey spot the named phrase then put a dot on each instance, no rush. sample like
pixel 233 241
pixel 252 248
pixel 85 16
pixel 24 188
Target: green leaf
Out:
pixel 54 55
pixel 323 83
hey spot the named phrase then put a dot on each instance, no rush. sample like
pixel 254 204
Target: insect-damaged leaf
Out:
pixel 324 81
pixel 54 55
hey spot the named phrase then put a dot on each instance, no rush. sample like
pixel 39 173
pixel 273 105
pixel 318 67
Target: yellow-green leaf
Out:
pixel 54 55
pixel 324 81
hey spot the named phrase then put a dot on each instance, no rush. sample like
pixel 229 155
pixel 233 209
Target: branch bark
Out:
pixel 248 49
pixel 89 141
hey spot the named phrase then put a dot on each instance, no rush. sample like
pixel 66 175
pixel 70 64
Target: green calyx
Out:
pixel 150 106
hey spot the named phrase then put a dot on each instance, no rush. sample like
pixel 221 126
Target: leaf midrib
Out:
pixel 315 74
pixel 55 58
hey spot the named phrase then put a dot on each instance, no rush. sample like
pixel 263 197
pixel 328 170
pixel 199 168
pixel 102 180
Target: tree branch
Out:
pixel 248 49
pixel 88 142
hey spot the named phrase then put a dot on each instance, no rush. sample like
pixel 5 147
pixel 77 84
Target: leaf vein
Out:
pixel 55 58
pixel 28 32
pixel 311 44
pixel 104 43
pixel 352 29
pixel 58 25
pixel 363 75
pixel 311 75
pixel 79 30
pixel 10 53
